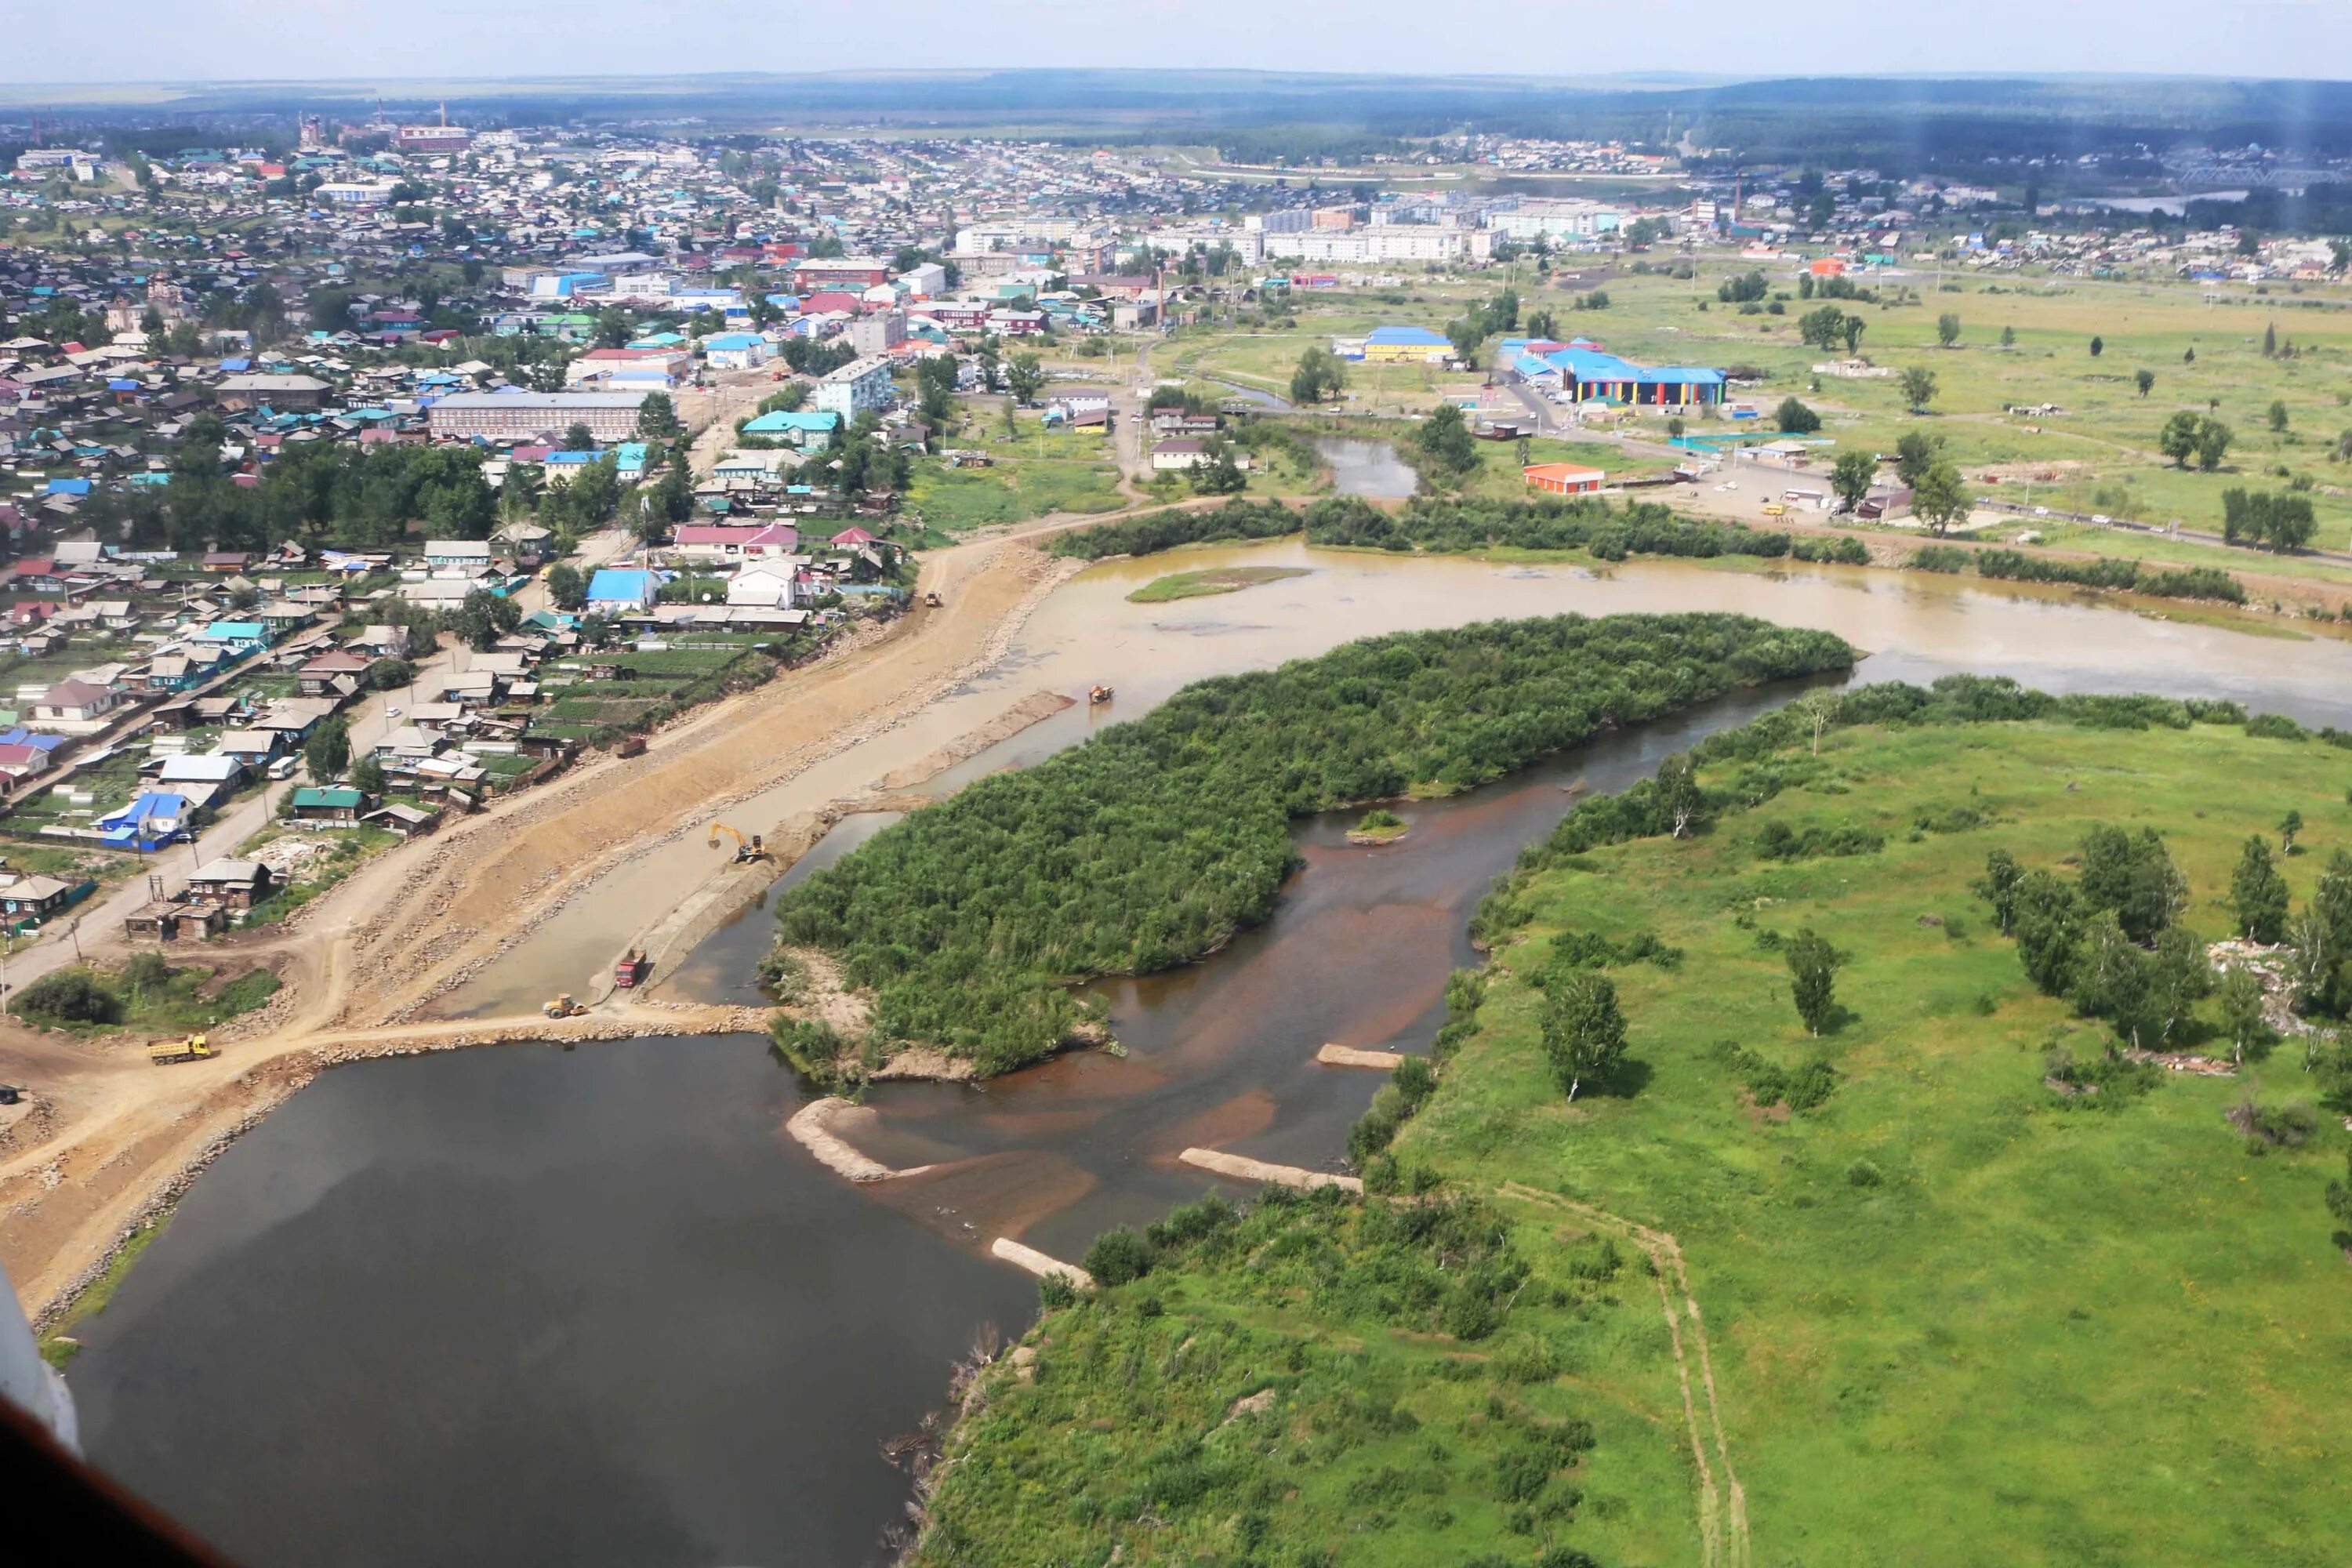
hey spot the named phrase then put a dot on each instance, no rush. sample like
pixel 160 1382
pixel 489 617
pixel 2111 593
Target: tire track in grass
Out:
pixel 1723 1541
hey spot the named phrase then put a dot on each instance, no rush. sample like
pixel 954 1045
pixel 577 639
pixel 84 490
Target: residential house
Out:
pixel 735 350
pixel 74 702
pixel 27 900
pixel 329 807
pixel 338 672
pixel 461 557
pixel 231 884
pixel 156 819
pixel 621 591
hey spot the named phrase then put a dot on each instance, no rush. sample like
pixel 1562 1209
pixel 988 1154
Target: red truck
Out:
pixel 632 968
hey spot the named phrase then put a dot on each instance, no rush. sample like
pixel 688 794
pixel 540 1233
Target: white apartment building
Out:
pixel 1551 218
pixel 1389 243
pixel 860 385
pixel 356 192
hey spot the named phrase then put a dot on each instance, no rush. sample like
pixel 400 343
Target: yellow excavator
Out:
pixel 745 848
pixel 564 1007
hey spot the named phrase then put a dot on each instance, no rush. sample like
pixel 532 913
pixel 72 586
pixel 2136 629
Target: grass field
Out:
pixel 2115 1324
pixel 1950 1316
pixel 1035 473
pixel 2098 456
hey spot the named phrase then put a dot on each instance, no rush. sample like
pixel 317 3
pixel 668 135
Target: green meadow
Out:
pixel 1934 1312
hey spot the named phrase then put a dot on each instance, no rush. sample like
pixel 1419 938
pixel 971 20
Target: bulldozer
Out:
pixel 195 1047
pixel 564 1007
pixel 750 848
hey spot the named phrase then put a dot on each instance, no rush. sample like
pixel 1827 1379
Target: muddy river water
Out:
pixel 529 1305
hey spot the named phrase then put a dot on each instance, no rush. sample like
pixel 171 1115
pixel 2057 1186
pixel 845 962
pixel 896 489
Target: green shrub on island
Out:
pixel 1152 843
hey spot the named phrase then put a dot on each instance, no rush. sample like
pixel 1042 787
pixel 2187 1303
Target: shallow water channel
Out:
pixel 530 1305
pixel 1367 468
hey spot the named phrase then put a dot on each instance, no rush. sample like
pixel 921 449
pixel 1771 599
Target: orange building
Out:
pixel 1563 479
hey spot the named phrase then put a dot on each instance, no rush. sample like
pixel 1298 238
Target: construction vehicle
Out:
pixel 10 1094
pixel 633 746
pixel 631 969
pixel 194 1048
pixel 750 848
pixel 564 1007
pixel 932 599
pixel 1098 696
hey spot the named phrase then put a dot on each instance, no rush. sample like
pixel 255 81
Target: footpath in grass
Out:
pixel 1947 1284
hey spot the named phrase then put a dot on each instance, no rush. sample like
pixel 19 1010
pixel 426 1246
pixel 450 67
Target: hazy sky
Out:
pixel 199 40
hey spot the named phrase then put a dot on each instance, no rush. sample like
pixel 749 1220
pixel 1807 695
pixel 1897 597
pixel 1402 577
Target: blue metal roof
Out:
pixel 1593 365
pixel 1409 337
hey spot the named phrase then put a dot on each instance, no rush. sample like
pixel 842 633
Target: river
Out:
pixel 530 1304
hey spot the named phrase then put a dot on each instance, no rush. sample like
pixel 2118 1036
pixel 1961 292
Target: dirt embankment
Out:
pixel 492 880
pixel 108 1139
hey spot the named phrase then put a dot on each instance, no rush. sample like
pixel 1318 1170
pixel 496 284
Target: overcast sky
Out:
pixel 244 40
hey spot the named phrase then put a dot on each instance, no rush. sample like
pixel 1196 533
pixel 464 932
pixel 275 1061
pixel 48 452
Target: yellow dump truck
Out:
pixel 193 1048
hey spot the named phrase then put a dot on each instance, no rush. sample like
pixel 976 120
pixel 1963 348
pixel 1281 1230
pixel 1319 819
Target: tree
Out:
pixel 2339 1203
pixel 483 617
pixel 2098 347
pixel 1468 335
pixel 1812 970
pixel 2144 380
pixel 1024 377
pixel 1998 887
pixel 1795 419
pixel 2277 416
pixel 1918 384
pixel 1319 378
pixel 1118 1257
pixel 657 418
pixel 2258 894
pixel 328 752
pixel 2008 337
pixel 1850 477
pixel 2177 440
pixel 2241 1012
pixel 1941 497
pixel 2270 340
pixel 1823 328
pixel 2132 875
pixel 367 776
pixel 1915 454
pixel 566 588
pixel 2289 827
pixel 1220 476
pixel 1851 328
pixel 577 437
pixel 1445 440
pixel 1583 1032
pixel 2213 439
pixel 1948 329
pixel 2189 356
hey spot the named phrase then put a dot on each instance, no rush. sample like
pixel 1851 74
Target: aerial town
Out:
pixel 1564 725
